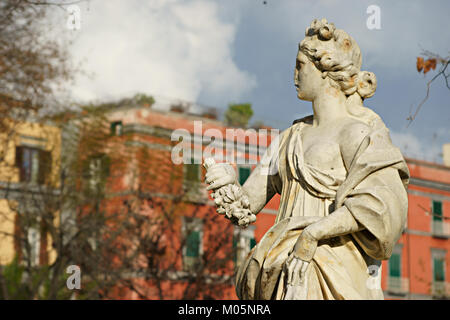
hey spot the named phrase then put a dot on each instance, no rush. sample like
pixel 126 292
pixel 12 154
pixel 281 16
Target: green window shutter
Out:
pixel 235 245
pixel 252 243
pixel 192 171
pixel 193 244
pixel 244 173
pixel 438 265
pixel 235 242
pixel 394 265
pixel 106 166
pixel 437 210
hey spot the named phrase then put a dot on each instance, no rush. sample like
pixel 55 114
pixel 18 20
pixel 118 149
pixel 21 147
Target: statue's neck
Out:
pixel 329 108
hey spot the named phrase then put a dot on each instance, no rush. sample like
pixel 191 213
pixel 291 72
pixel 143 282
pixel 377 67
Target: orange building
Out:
pixel 177 142
pixel 418 267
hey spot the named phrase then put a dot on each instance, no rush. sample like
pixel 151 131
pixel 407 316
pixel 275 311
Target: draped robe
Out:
pixel 373 189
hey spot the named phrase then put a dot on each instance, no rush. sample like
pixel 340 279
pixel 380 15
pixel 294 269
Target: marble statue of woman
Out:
pixel 342 185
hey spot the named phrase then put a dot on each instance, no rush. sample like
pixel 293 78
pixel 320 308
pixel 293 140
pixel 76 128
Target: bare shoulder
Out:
pixel 351 135
pixel 354 129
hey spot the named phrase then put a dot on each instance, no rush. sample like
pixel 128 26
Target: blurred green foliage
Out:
pixel 238 115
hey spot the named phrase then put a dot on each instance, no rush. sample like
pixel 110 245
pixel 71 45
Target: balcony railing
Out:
pixel 441 229
pixel 441 289
pixel 397 285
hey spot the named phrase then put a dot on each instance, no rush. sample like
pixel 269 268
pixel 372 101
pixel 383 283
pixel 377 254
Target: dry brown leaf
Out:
pixel 419 64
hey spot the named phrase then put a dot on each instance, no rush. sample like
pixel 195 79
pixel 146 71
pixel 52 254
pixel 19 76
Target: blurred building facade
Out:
pixel 151 174
pixel 29 169
pixel 419 265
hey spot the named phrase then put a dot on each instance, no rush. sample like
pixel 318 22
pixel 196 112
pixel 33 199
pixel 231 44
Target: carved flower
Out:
pixel 234 204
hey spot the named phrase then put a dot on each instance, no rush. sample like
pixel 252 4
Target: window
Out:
pixel 252 243
pixel 437 221
pixel 193 243
pixel 192 183
pixel 438 267
pixel 437 210
pixel 96 170
pixel 95 173
pixel 116 128
pixel 34 164
pixel 34 241
pixel 243 243
pixel 244 173
pixel 30 239
pixel 394 265
pixel 396 283
pixel 438 264
pixel 192 171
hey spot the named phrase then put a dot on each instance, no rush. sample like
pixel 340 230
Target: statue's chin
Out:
pixel 302 96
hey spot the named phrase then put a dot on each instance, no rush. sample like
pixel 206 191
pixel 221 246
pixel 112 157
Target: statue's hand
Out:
pixel 297 264
pixel 228 194
pixel 219 175
pixel 295 286
pixel 295 270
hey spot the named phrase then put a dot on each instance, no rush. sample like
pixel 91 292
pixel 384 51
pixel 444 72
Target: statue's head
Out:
pixel 330 57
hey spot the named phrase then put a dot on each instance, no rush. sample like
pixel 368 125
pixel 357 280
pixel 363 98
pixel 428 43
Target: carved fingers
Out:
pixel 297 264
pixel 295 270
pixel 219 175
pixel 295 278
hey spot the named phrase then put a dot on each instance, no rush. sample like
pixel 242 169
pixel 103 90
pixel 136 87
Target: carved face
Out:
pixel 307 78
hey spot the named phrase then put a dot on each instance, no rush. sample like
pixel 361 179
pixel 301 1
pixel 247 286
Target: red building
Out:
pixel 177 142
pixel 418 268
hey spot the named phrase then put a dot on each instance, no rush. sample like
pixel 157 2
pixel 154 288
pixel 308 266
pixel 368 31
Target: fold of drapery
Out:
pixel 320 183
pixel 375 193
pixel 337 271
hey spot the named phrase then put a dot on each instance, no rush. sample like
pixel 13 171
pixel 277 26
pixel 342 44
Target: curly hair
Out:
pixel 338 57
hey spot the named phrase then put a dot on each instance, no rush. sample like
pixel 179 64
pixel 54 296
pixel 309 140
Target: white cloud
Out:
pixel 413 147
pixel 407 142
pixel 171 48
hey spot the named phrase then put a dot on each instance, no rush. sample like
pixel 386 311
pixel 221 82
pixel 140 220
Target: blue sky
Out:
pixel 219 52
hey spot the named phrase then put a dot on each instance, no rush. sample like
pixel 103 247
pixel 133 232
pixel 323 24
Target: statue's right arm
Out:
pixel 264 182
pixel 259 188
